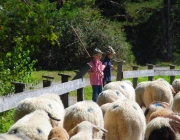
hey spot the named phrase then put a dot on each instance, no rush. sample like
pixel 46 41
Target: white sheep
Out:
pixel 109 96
pixel 106 106
pixel 52 96
pixel 125 87
pixel 154 106
pixel 85 130
pixel 35 125
pixel 158 90
pixel 124 120
pixel 58 133
pixel 139 90
pixel 176 85
pixel 29 105
pixel 17 136
pixel 160 113
pixel 164 128
pixel 176 103
pixel 84 111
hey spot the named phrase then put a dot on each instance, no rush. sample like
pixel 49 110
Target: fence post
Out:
pixel 172 78
pixel 120 70
pixel 47 82
pixel 135 80
pixel 19 87
pixel 150 66
pixel 65 96
pixel 80 91
pixel 80 74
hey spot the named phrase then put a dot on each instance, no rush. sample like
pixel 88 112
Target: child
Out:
pixel 96 74
pixel 108 65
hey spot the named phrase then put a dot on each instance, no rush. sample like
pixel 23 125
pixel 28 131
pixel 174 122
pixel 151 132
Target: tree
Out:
pixel 22 26
pixel 137 17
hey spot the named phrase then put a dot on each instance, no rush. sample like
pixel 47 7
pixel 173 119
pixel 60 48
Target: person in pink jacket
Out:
pixel 96 73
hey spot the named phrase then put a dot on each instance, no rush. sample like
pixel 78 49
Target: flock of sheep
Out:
pixel 148 112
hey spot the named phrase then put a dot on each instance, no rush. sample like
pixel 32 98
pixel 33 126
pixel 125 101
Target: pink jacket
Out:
pixel 96 79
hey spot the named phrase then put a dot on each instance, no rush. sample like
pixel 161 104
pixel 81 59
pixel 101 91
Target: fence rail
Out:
pixel 146 73
pixel 11 101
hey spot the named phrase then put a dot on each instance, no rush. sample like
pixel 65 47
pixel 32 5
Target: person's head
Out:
pixel 97 54
pixel 109 52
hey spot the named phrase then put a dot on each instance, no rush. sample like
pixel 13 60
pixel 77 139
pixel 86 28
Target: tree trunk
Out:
pixel 169 51
pixel 163 34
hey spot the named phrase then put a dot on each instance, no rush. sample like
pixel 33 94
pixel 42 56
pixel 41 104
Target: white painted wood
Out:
pixel 11 101
pixel 138 73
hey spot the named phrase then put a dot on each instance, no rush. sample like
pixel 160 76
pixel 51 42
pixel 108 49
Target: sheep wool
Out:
pixel 109 96
pixel 176 103
pixel 17 136
pixel 158 90
pixel 164 128
pixel 58 133
pixel 85 130
pixel 176 85
pixel 125 87
pixel 139 91
pixel 29 105
pixel 84 111
pixel 52 96
pixel 35 125
pixel 160 113
pixel 106 106
pixel 124 120
pixel 154 107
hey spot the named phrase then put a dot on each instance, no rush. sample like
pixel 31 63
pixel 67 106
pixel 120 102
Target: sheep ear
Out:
pixel 73 131
pixel 97 129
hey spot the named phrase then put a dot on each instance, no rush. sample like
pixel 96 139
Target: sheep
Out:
pixel 125 87
pixel 58 133
pixel 176 103
pixel 154 107
pixel 84 111
pixel 176 85
pixel 17 136
pixel 124 120
pixel 52 96
pixel 109 96
pixel 29 105
pixel 85 130
pixel 164 128
pixel 158 90
pixel 35 125
pixel 106 106
pixel 160 113
pixel 139 91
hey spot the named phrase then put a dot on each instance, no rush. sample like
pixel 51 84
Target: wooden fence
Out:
pixel 78 83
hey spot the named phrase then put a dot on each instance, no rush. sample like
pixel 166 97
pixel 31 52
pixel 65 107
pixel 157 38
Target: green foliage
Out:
pixel 6 120
pixel 94 31
pixel 22 26
pixel 140 12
